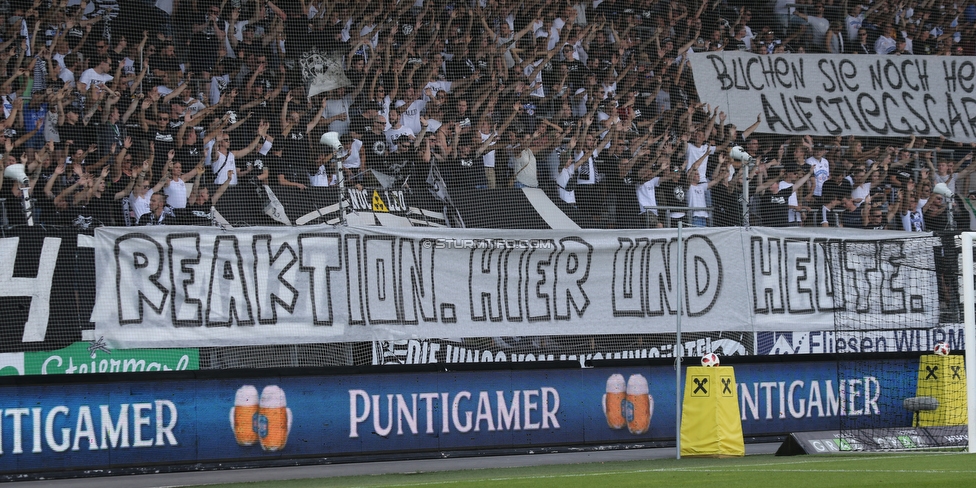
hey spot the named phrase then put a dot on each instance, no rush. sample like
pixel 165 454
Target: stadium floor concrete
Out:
pixel 371 468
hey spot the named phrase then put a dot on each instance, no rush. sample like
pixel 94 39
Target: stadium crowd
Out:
pixel 150 112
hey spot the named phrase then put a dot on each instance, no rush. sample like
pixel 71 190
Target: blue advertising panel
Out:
pixel 125 423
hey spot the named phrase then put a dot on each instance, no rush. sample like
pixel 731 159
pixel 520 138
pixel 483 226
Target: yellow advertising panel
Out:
pixel 710 421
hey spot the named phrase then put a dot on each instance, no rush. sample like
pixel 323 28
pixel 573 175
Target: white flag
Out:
pixel 322 72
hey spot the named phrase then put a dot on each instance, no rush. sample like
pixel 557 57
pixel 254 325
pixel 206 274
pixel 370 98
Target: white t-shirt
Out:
pixel 693 154
pixel 696 198
pixel 525 169
pixel 175 192
pixel 411 116
pixel 949 179
pixel 861 192
pixel 853 24
pixel 538 91
pixel 90 75
pixel 646 196
pixel 393 134
pixel 139 206
pixel 338 107
pixel 821 173
pixel 221 165
pixel 354 160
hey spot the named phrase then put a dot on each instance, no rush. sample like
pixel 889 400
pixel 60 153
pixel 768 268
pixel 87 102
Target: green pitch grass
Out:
pixel 890 470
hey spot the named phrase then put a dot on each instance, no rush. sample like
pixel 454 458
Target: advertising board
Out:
pixel 102 424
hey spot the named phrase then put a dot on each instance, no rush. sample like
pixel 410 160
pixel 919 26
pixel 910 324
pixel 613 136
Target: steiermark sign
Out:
pixel 94 357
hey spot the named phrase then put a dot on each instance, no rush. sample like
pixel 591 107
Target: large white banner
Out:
pixel 193 286
pixel 827 95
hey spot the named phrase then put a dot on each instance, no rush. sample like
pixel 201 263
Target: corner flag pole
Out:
pixel 678 350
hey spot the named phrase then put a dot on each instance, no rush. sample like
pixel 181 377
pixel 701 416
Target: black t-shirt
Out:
pixel 100 210
pixel 459 67
pixel 293 169
pixel 192 215
pixel 775 208
pixel 398 165
pixel 936 222
pixel 189 156
pixel 80 135
pixel 294 145
pixel 465 173
pixel 164 63
pixel 375 150
pixel 725 201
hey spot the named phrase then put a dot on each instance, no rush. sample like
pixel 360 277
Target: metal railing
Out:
pixel 664 214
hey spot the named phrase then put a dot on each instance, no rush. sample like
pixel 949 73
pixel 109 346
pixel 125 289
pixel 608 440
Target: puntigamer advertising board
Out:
pixel 94 425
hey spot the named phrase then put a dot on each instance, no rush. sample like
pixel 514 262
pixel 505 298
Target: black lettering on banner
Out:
pixel 955 372
pixel 571 270
pixel 319 257
pixel 932 372
pixel 827 300
pixel 417 275
pixel 706 288
pixel 799 278
pixel 957 73
pixel 767 281
pixel 352 256
pixel 484 284
pixel 839 76
pixel 870 113
pixel 380 280
pixel 906 127
pixel 832 86
pixel 642 283
pixel 955 117
pixel 661 281
pixel 512 289
pixel 273 277
pixel 187 281
pixel 228 300
pixel 968 103
pixel 893 300
pixel 538 305
pixel 860 272
pixel 944 131
pixel 138 266
pixel 628 283
pixel 925 129
pixel 870 95
pixel 834 128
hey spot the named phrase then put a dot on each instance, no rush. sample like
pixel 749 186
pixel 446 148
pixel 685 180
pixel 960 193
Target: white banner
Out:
pixel 194 286
pixel 893 96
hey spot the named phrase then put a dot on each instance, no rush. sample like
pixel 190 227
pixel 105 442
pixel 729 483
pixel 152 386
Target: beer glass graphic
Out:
pixel 613 402
pixel 242 415
pixel 638 405
pixel 273 421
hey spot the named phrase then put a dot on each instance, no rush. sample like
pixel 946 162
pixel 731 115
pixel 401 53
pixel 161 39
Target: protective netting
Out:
pixel 501 115
pixel 927 393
